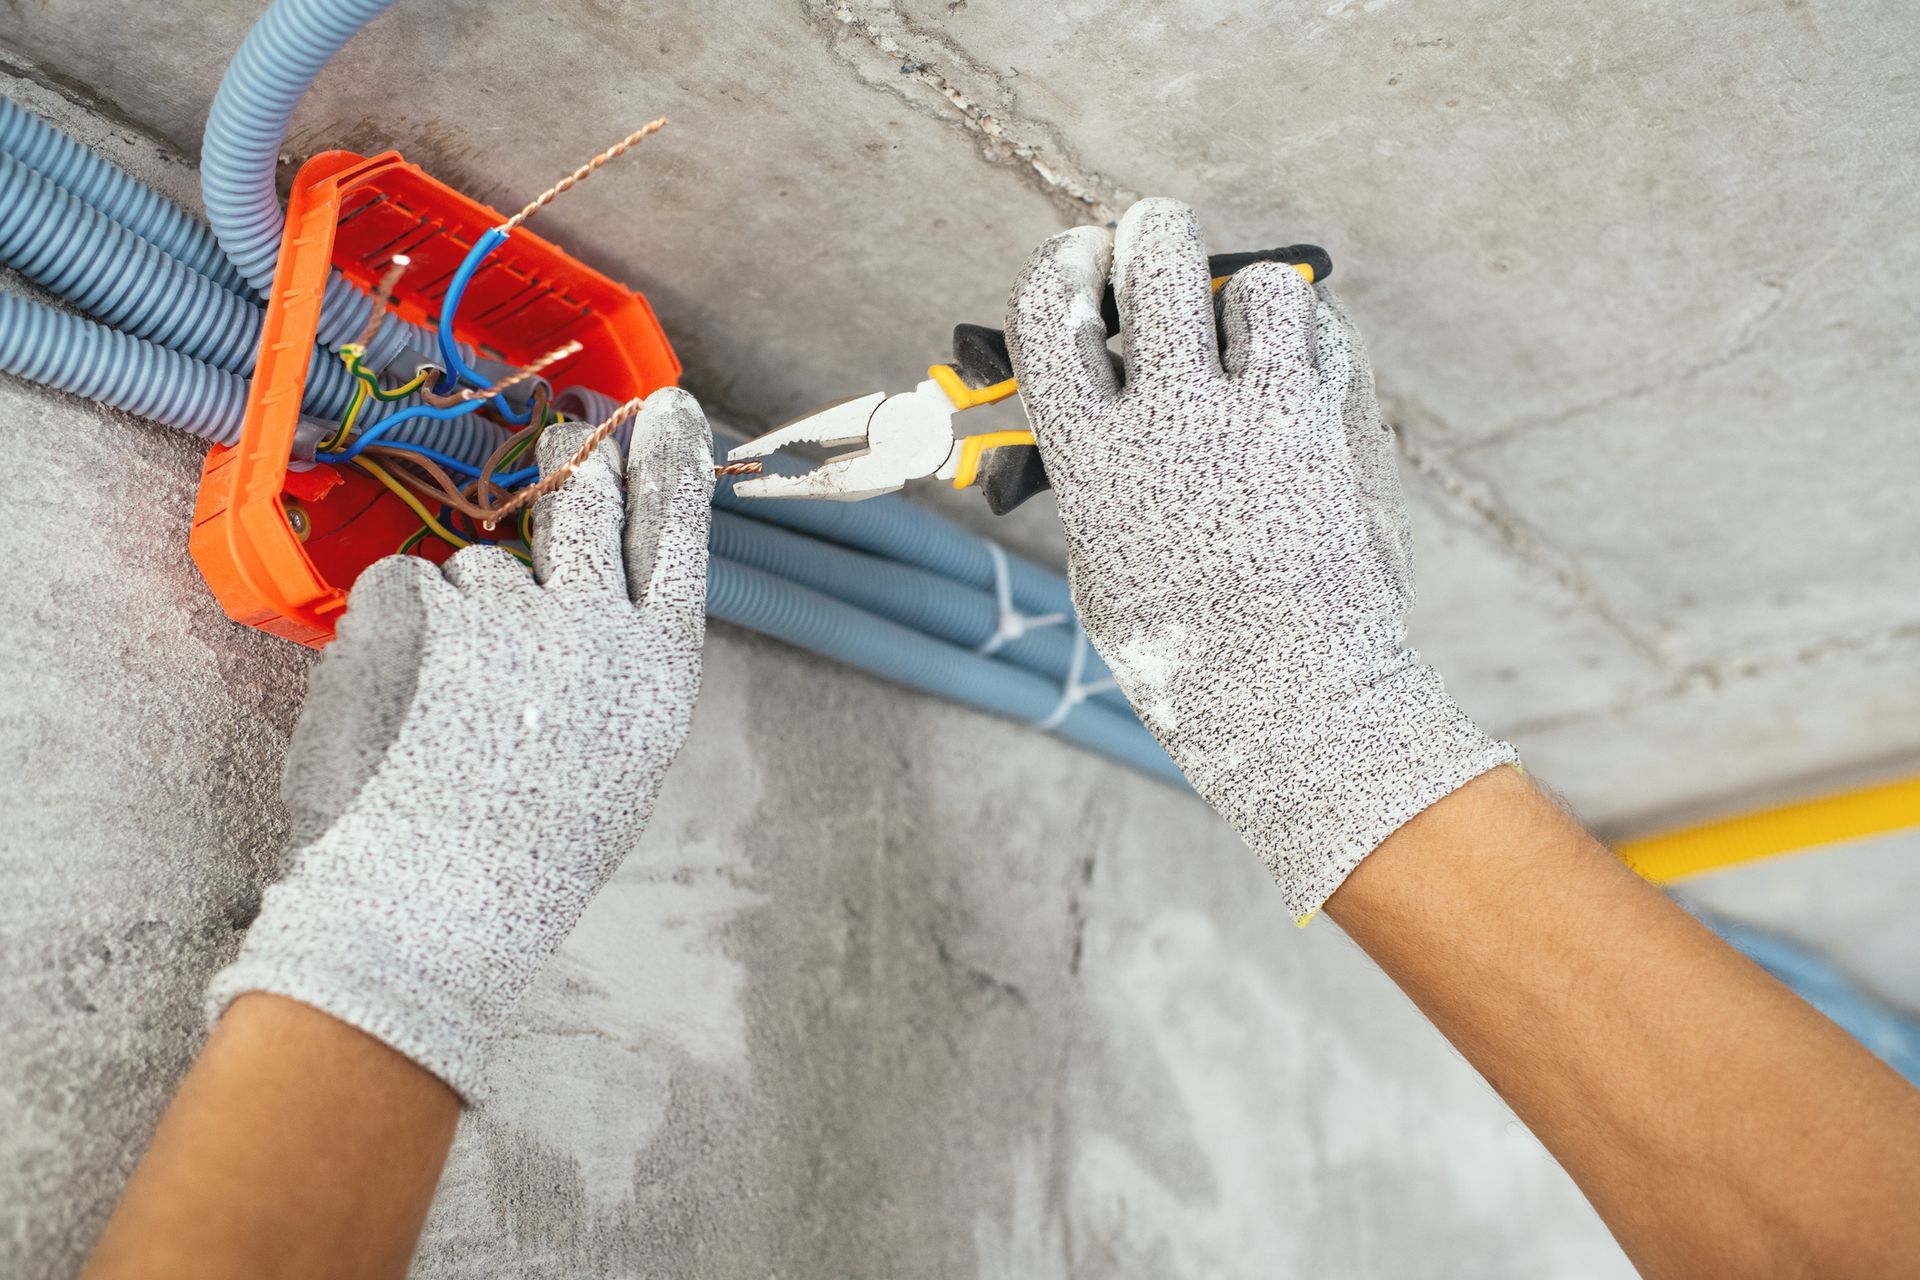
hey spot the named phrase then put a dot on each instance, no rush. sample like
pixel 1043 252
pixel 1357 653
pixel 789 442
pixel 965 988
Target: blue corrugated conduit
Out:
pixel 913 597
pixel 74 250
pixel 771 605
pixel 69 353
pixel 116 195
pixel 895 528
pixel 1890 1033
pixel 125 281
pixel 240 156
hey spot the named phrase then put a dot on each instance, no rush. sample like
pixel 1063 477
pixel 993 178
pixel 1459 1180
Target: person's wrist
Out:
pixel 1317 786
pixel 408 967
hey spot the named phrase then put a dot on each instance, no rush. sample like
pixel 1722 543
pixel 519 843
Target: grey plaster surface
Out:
pixel 1639 291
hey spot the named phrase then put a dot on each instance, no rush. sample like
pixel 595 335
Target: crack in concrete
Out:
pixel 1716 674
pixel 1744 339
pixel 990 985
pixel 1887 643
pixel 1513 536
pixel 973 98
pixel 1684 676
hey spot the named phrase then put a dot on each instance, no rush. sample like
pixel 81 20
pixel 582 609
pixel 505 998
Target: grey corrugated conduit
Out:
pixel 116 195
pixel 72 247
pixel 73 354
pixel 809 620
pixel 895 528
pixel 125 281
pixel 908 595
pixel 240 155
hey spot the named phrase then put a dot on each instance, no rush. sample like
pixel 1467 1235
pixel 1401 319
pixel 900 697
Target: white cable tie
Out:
pixel 1012 623
pixel 1073 691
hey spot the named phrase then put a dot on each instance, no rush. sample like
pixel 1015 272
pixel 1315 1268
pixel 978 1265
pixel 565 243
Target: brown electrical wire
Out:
pixel 428 477
pixel 583 172
pixel 486 492
pixel 469 394
pixel 477 498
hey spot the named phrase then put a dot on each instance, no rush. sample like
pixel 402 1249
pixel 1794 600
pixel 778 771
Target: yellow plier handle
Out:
pixel 982 373
pixel 964 397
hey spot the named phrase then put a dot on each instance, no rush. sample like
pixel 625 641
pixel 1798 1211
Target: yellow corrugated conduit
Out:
pixel 1807 824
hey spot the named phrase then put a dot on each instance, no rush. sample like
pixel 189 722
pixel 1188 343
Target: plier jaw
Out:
pixel 848 477
pixel 898 438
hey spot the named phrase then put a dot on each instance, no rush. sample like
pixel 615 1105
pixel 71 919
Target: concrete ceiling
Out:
pixel 1639 284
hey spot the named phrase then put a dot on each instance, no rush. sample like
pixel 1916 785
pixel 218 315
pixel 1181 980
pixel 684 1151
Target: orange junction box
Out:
pixel 354 214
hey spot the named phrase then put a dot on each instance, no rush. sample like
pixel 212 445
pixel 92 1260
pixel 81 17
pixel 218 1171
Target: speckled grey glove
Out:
pixel 1237 541
pixel 479 751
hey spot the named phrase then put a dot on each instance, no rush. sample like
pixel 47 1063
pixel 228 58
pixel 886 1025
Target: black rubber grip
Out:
pixel 1225 264
pixel 980 355
pixel 1010 475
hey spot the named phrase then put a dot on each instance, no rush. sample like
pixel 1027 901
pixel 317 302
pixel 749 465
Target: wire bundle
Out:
pixel 501 485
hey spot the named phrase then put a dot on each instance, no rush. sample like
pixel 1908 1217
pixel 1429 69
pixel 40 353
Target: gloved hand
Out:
pixel 480 750
pixel 1237 541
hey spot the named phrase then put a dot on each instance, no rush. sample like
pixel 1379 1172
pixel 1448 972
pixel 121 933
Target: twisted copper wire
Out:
pixel 382 297
pixel 467 395
pixel 548 483
pixel 737 469
pixel 584 171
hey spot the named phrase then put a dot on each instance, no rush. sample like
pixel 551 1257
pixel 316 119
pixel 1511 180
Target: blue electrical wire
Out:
pixel 374 433
pixel 450 358
pixel 506 411
pixel 456 367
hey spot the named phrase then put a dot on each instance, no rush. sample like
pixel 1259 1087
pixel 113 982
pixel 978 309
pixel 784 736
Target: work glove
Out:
pixel 480 748
pixel 1237 540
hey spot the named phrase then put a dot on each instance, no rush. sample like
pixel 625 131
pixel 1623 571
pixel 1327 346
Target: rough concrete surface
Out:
pixel 1638 285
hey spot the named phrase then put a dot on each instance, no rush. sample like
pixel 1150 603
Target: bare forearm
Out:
pixel 1719 1124
pixel 297 1146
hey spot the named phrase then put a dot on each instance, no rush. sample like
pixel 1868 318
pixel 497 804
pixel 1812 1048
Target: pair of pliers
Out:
pixel 914 434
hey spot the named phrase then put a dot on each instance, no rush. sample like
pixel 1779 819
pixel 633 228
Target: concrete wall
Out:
pixel 895 989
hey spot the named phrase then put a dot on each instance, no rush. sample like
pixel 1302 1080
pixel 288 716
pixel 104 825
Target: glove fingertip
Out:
pixel 670 485
pixel 671 434
pixel 1055 332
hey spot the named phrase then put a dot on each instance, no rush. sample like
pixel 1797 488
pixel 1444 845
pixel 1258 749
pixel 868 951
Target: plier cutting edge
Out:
pixel 914 434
